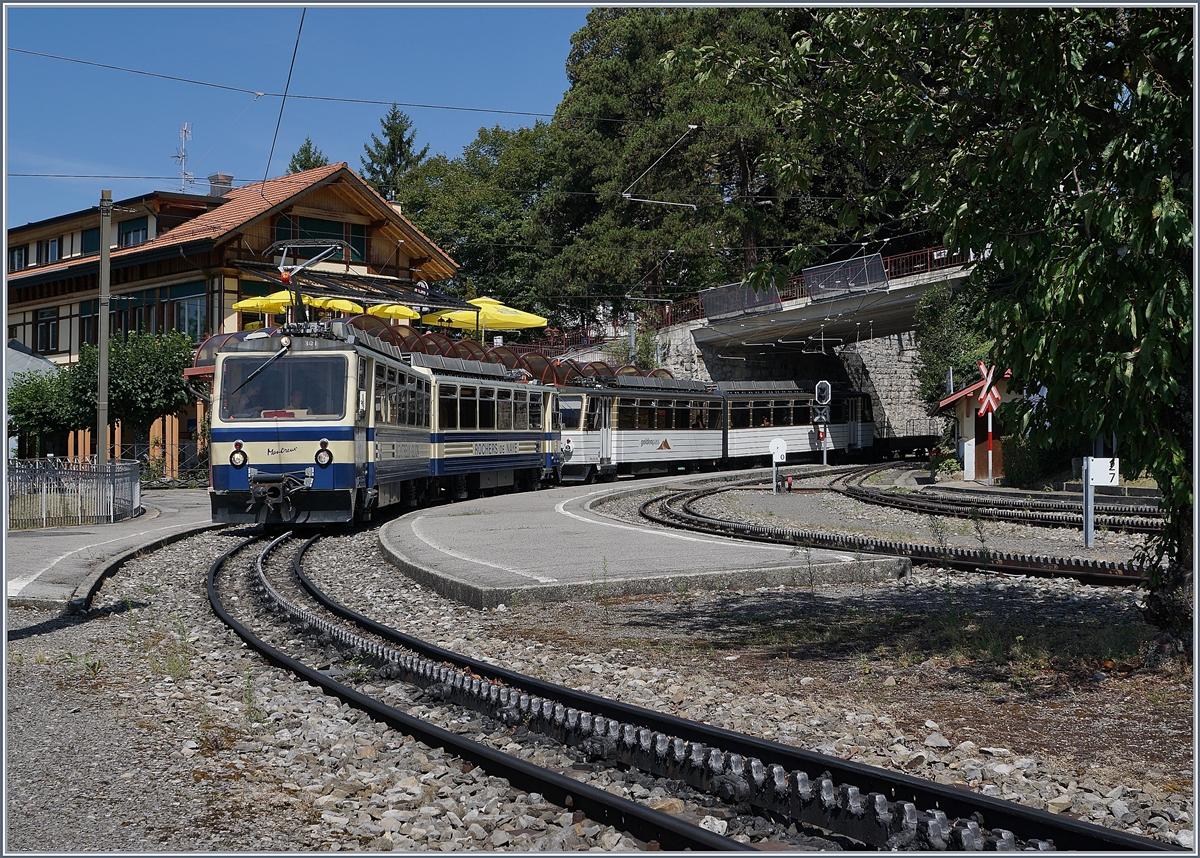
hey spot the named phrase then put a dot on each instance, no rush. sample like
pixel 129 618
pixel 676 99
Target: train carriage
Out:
pixel 491 428
pixel 760 411
pixel 324 422
pixel 629 424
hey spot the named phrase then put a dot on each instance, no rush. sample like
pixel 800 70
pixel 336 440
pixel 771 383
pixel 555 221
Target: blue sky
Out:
pixel 68 118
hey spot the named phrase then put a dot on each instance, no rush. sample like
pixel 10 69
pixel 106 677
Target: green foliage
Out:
pixel 390 158
pixel 949 336
pixel 307 157
pixel 145 382
pixel 146 379
pixel 36 405
pixel 1026 464
pixel 720 204
pixel 477 207
pixel 645 349
pixel 1055 144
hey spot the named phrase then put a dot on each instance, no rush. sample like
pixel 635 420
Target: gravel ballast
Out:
pixel 147 726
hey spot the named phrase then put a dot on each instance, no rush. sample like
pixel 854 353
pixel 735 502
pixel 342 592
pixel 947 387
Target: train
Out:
pixel 317 423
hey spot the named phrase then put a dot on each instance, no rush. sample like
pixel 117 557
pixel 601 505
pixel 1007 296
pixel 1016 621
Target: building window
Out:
pixel 18 257
pixel 49 250
pixel 283 228
pixel 131 232
pixel 12 332
pixel 89 241
pixel 189 317
pixel 47 331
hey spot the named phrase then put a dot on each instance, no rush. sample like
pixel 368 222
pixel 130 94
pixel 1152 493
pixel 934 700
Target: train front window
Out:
pixel 303 387
pixel 571 408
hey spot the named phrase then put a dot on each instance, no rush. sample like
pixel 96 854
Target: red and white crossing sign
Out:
pixel 989 396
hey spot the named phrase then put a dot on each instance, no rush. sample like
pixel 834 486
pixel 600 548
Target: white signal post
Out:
pixel 989 398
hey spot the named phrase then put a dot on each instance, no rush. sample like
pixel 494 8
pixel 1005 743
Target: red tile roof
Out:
pixel 241 206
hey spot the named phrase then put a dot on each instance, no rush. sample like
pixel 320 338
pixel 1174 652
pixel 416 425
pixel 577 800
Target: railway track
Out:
pixel 678 509
pixel 868 807
pixel 1054 513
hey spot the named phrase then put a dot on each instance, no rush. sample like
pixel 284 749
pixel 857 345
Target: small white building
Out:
pixel 972 430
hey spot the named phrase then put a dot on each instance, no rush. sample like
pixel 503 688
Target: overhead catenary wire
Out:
pixel 407 104
pixel 287 86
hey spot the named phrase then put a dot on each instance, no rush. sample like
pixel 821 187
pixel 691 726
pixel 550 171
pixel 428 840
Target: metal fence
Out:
pixel 861 274
pixel 59 492
pixel 723 302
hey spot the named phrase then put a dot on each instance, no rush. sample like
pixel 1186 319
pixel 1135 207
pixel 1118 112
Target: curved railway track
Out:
pixel 1136 518
pixel 868 806
pixel 678 509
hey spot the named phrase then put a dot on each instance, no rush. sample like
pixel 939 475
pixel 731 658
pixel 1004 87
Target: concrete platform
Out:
pixel 59 568
pixel 553 545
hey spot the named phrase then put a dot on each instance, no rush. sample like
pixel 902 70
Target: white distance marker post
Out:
pixel 778 448
pixel 1096 472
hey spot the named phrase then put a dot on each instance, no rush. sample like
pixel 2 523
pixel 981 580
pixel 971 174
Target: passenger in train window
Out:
pixel 766 421
pixel 698 423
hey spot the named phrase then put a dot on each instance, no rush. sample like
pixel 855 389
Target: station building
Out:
pixel 180 261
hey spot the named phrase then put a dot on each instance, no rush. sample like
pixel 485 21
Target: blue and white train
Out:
pixel 322 422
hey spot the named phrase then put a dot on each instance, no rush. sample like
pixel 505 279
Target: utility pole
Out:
pixel 102 337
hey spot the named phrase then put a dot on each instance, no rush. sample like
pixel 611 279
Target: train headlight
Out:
pixel 324 457
pixel 238 457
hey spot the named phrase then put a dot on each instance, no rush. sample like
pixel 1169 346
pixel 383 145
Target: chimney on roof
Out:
pixel 397 205
pixel 219 184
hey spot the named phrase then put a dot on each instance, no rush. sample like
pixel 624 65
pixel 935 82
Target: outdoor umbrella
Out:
pixel 276 302
pixel 492 314
pixel 342 305
pixel 393 311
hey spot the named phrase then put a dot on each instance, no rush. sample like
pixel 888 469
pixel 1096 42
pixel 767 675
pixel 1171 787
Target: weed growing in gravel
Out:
pixel 87 666
pixel 981 535
pixel 40 657
pixel 937 529
pixel 16 658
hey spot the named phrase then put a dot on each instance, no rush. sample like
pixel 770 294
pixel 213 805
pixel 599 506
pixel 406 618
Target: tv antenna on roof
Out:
pixel 185 134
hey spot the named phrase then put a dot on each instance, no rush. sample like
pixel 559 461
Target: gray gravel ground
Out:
pixel 145 726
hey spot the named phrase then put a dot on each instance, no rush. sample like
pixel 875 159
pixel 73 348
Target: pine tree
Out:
pixel 307 157
pixel 390 158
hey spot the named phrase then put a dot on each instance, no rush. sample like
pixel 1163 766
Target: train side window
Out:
pixel 571 408
pixel 487 408
pixel 696 415
pixel 535 410
pixel 466 407
pixel 448 407
pixel 398 405
pixel 423 397
pixel 555 417
pixel 716 415
pixel 662 414
pixel 739 414
pixel 520 410
pixel 595 412
pixel 803 412
pixel 762 413
pixel 504 410
pixel 645 414
pixel 782 415
pixel 683 416
pixel 381 398
pixel 837 411
pixel 626 413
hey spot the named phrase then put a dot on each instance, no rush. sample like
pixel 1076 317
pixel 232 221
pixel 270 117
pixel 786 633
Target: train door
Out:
pixel 605 426
pixel 361 417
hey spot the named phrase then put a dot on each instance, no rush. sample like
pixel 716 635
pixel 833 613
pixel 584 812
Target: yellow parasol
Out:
pixel 492 314
pixel 393 311
pixel 276 302
pixel 342 305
